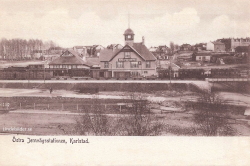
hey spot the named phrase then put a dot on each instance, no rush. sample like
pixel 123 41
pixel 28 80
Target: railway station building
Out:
pixel 132 60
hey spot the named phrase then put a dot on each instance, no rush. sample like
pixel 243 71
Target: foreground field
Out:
pixel 176 124
pixel 57 113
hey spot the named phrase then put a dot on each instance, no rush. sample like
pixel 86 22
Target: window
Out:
pixel 64 66
pixel 106 64
pixel 119 65
pixel 148 65
pixel 74 66
pixel 134 64
pixel 127 55
pixel 129 37
pixel 145 72
pixel 135 73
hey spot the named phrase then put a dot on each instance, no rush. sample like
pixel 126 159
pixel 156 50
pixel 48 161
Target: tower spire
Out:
pixel 128 20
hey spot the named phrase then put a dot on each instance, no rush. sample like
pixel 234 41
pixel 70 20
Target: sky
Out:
pixel 88 22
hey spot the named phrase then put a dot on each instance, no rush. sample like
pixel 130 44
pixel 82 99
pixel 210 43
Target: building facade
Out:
pixel 232 43
pixel 133 60
pixel 69 64
pixel 216 46
pixel 204 57
pixel 239 42
pixel 185 47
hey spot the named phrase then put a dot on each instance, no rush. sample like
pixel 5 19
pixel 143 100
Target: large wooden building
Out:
pixel 132 60
pixel 69 64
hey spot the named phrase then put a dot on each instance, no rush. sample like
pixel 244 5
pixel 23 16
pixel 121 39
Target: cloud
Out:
pixel 186 19
pixel 224 26
pixel 169 27
pixel 104 22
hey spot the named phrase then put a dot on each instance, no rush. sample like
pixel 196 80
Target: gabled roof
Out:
pixel 144 52
pixel 139 48
pixel 92 61
pixel 73 59
pixel 165 65
pixel 107 54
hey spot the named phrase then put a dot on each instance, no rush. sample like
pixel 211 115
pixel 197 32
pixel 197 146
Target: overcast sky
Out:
pixel 88 22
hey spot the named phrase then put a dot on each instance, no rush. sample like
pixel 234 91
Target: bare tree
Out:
pixel 211 115
pixel 93 121
pixel 172 47
pixel 139 121
pixel 14 49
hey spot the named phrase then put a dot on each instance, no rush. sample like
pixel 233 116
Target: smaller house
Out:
pixel 185 47
pixel 203 56
pixel 161 52
pixel 69 64
pixel 69 59
pixel 216 46
pixel 199 47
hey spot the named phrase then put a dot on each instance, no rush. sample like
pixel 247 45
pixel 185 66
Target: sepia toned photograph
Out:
pixel 125 82
pixel 124 68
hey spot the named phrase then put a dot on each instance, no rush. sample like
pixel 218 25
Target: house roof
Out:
pixel 218 43
pixel 92 61
pixel 139 48
pixel 143 51
pixel 185 45
pixel 107 54
pixel 73 59
pixel 166 65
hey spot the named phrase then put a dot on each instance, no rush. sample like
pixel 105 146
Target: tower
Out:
pixel 129 37
pixel 129 34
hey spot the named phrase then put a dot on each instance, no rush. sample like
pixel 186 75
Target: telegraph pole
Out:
pixel 44 73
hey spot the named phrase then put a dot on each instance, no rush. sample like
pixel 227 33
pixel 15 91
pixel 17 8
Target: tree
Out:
pixel 17 49
pixel 93 121
pixel 211 115
pixel 172 47
pixel 139 121
pixel 176 47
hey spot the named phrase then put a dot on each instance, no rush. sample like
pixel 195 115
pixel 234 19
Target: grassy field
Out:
pixel 177 124
pixel 55 114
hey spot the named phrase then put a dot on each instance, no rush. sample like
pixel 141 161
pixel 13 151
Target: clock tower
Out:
pixel 129 37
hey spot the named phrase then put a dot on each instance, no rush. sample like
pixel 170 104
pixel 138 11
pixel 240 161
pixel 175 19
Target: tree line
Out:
pixel 19 49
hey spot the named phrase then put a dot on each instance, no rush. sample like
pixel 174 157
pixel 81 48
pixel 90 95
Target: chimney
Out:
pixel 143 40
